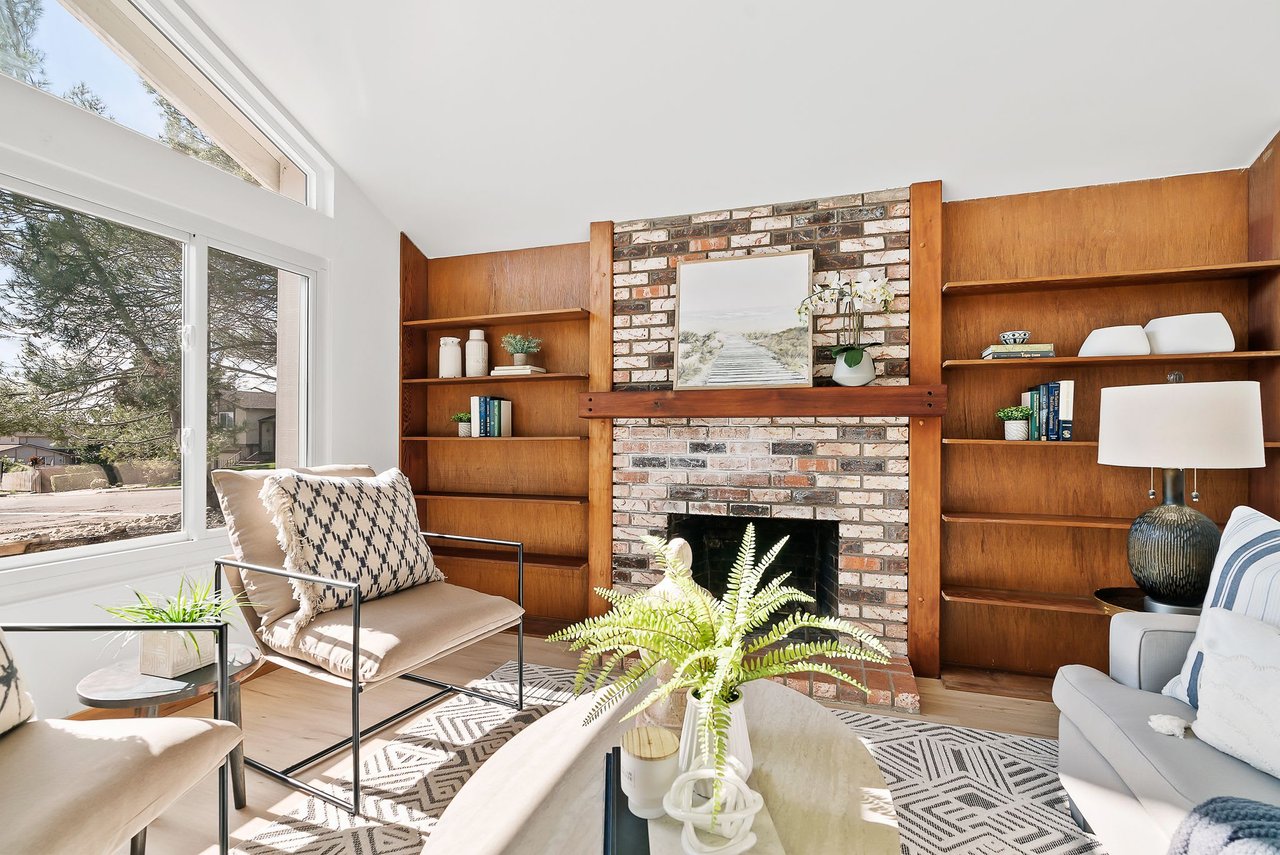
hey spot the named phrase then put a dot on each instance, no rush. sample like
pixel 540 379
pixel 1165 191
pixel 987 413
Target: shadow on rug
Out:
pixel 956 790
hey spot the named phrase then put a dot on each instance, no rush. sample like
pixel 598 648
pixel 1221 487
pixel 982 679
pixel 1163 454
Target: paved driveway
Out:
pixel 37 513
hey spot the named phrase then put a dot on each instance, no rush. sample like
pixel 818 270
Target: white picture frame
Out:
pixel 736 323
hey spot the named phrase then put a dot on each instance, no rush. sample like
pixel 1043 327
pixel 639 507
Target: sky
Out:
pixel 74 54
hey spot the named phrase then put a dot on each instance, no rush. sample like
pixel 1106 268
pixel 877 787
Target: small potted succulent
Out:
pixel 463 421
pixel 169 654
pixel 1015 420
pixel 520 346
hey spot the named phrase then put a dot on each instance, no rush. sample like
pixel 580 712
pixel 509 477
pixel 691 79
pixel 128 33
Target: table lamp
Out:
pixel 1177 426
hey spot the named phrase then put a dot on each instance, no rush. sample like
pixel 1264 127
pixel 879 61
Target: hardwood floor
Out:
pixel 287 716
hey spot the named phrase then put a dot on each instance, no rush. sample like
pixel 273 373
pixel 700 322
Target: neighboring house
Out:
pixel 29 448
pixel 253 417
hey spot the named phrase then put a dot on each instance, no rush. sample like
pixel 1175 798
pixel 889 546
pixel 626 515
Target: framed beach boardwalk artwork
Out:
pixel 736 322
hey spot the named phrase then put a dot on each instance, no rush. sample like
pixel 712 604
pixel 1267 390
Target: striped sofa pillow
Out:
pixel 1245 580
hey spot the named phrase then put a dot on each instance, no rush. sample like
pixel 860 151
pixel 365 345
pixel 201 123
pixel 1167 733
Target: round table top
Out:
pixel 121 686
pixel 1117 600
pixel 544 790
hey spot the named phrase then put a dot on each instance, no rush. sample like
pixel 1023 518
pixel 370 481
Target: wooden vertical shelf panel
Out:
pixel 600 431
pixel 924 460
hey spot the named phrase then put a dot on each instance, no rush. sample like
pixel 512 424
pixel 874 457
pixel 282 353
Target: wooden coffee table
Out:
pixel 544 790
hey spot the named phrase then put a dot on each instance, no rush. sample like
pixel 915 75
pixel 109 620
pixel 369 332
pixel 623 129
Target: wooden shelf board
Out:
pixel 503 497
pixel 1038 444
pixel 1109 280
pixel 1086 605
pixel 1056 520
pixel 531 559
pixel 1079 443
pixel 507 318
pixel 520 378
pixel 494 438
pixel 1088 361
pixel 915 400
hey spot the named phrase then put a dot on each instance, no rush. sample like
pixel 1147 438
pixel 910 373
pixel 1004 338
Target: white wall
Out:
pixel 46 141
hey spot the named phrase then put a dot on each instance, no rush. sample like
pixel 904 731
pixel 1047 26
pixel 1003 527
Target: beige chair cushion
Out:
pixel 253 533
pixel 86 787
pixel 397 633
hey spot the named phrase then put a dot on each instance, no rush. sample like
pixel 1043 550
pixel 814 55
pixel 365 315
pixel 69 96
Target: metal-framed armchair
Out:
pixel 363 645
pixel 88 786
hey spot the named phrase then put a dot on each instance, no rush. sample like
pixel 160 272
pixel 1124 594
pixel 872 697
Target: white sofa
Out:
pixel 1132 785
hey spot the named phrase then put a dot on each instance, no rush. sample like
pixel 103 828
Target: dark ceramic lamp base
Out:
pixel 1171 550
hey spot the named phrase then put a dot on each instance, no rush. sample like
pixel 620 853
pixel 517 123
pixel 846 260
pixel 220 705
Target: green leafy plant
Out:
pixel 195 602
pixel 714 646
pixel 517 343
pixel 1014 414
pixel 461 418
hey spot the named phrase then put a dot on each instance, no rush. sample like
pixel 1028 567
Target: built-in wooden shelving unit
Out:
pixel 534 487
pixel 1025 535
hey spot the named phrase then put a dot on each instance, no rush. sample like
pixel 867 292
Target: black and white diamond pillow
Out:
pixel 362 530
pixel 15 704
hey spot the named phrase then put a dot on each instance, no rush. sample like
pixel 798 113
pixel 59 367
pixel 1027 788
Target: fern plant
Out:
pixel 714 646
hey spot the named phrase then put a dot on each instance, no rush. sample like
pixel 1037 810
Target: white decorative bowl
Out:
pixel 1116 341
pixel 1015 337
pixel 1202 332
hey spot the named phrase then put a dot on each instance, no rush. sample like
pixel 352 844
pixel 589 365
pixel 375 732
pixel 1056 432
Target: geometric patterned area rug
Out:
pixel 957 791
pixel 961 790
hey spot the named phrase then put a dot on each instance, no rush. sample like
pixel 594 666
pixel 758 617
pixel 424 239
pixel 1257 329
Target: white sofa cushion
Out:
pixel 362 530
pixel 15 702
pixel 1245 580
pixel 1239 688
pixel 1168 776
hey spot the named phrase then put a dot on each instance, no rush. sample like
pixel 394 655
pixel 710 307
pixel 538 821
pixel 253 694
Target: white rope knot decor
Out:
pixel 739 806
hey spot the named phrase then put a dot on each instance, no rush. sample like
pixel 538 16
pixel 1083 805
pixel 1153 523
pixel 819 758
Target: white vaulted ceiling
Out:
pixel 494 125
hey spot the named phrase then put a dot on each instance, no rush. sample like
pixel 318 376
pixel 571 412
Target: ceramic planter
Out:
pixel 520 358
pixel 464 428
pixel 856 375
pixel 169 654
pixel 1017 430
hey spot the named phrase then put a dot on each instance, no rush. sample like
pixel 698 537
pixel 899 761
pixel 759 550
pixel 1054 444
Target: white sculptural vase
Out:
pixel 739 743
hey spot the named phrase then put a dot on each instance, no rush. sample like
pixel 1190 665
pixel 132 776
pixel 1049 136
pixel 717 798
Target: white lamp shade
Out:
pixel 1182 426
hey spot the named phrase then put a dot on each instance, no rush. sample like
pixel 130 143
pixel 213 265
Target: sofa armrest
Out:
pixel 1148 649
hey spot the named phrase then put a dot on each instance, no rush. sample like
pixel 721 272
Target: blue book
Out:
pixel 1044 411
pixel 1052 431
pixel 484 415
pixel 1066 409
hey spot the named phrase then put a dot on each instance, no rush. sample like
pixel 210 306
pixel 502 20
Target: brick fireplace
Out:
pixel 846 476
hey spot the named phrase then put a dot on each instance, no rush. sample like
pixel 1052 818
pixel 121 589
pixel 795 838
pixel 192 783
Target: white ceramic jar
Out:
pixel 477 355
pixel 450 356
pixel 650 764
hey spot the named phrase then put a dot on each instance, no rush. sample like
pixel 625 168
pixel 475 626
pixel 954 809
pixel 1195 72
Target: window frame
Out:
pixel 44 570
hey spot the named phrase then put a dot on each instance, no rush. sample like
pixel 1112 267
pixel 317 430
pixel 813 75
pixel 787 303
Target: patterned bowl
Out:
pixel 1015 337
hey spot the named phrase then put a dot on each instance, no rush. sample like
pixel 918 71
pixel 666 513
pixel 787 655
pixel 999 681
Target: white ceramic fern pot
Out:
pixel 739 742
pixel 169 654
pixel 857 375
pixel 1017 430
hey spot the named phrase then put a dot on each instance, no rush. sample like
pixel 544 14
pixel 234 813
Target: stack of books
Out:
pixel 490 416
pixel 1018 351
pixel 1052 410
pixel 515 370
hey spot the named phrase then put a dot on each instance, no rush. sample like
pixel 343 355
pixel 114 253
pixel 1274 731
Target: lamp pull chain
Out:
pixel 1195 485
pixel 1151 491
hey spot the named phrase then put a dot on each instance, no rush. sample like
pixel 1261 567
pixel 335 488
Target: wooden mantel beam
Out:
pixel 916 400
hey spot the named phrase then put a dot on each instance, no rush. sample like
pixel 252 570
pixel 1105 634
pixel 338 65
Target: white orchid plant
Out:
pixel 853 298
